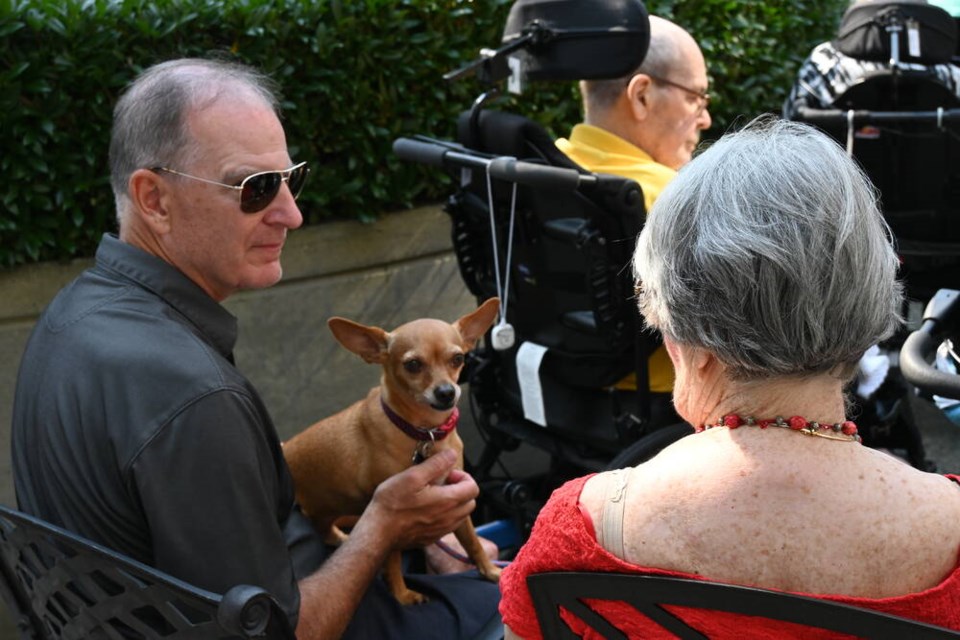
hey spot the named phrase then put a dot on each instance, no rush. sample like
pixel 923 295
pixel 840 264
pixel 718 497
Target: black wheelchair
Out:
pixel 554 242
pixel 900 121
pixel 903 125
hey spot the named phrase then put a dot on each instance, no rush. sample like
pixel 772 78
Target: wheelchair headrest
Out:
pixel 927 34
pixel 510 134
pixel 577 40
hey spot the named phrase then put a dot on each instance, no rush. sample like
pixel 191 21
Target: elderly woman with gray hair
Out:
pixel 769 270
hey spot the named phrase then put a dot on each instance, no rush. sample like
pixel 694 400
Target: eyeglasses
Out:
pixel 259 189
pixel 703 98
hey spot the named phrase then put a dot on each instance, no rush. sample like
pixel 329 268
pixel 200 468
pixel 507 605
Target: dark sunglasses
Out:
pixel 259 189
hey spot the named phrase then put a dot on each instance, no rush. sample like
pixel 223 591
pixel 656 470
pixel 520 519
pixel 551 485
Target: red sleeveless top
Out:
pixel 563 539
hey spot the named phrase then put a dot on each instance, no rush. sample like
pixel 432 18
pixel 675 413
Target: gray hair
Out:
pixel 769 251
pixel 599 96
pixel 150 119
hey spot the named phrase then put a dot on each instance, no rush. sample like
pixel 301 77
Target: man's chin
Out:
pixel 263 277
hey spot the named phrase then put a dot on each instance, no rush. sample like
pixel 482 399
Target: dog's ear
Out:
pixel 370 343
pixel 473 325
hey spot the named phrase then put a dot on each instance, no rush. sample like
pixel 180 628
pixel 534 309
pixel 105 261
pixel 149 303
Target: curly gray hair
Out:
pixel 769 251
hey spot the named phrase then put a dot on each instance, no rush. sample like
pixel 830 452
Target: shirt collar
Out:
pixel 612 144
pixel 170 284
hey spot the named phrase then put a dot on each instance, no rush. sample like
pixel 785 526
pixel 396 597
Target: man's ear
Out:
pixel 148 192
pixel 638 96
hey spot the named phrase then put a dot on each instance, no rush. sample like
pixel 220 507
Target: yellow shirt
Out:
pixel 600 151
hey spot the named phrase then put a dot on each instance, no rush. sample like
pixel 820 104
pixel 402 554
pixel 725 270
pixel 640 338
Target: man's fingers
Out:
pixel 436 467
pixel 457 475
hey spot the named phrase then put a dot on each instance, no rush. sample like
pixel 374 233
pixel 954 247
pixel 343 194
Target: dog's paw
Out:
pixel 335 536
pixel 409 596
pixel 491 573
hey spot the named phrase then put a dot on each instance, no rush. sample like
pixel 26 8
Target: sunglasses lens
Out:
pixel 298 177
pixel 259 191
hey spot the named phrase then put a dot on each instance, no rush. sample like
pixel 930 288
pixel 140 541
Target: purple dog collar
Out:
pixel 433 435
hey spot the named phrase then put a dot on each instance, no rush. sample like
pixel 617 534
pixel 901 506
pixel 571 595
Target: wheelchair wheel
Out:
pixel 649 446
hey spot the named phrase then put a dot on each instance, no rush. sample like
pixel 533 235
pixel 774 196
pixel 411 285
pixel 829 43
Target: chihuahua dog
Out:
pixel 338 462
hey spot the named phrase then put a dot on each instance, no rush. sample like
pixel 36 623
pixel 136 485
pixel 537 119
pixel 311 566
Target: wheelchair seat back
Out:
pixel 570 277
pixel 903 133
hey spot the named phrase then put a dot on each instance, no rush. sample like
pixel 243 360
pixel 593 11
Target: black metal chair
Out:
pixel 649 594
pixel 58 585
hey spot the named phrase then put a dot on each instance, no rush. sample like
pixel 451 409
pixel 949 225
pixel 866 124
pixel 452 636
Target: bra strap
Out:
pixel 610 531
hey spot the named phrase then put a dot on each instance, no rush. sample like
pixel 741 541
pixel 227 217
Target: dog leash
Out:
pixel 456 555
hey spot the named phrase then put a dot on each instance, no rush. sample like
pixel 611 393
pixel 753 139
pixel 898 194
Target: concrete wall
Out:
pixel 386 273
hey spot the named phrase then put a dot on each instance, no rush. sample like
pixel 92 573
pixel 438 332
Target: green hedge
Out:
pixel 355 75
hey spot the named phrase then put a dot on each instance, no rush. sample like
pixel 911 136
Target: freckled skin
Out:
pixel 810 515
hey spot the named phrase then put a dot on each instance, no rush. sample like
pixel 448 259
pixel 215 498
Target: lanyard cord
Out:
pixel 503 291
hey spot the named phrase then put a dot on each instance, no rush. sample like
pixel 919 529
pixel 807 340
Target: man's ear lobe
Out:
pixel 148 194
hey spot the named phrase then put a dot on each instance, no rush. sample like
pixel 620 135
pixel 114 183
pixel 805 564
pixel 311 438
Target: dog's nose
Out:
pixel 445 395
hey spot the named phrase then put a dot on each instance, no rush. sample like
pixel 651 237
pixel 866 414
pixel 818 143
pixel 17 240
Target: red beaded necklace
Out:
pixel 844 431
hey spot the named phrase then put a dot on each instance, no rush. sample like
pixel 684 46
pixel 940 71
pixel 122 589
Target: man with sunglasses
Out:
pixel 645 126
pixel 131 425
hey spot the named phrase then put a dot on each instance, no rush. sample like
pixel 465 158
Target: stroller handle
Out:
pixel 939 319
pixel 436 153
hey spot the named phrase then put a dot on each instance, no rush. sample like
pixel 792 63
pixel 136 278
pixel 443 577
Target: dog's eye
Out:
pixel 457 360
pixel 413 366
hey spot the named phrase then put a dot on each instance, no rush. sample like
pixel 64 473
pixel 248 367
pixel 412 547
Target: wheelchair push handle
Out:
pixel 430 152
pixel 939 319
pixel 860 117
pixel 535 175
pixel 421 152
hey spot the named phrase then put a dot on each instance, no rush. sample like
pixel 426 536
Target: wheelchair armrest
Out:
pixel 939 319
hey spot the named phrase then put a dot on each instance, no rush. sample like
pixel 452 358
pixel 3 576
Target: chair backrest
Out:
pixel 649 595
pixel 915 165
pixel 60 585
pixel 916 168
pixel 913 162
pixel 570 277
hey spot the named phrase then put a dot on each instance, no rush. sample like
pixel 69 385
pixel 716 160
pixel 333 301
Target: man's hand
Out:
pixel 413 508
pixel 424 502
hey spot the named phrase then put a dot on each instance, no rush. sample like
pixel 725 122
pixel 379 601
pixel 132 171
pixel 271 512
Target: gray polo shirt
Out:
pixel 132 427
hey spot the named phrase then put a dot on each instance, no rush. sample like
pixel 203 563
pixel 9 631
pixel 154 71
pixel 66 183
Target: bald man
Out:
pixel 645 126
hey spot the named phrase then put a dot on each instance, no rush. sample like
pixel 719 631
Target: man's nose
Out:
pixel 284 209
pixel 703 120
